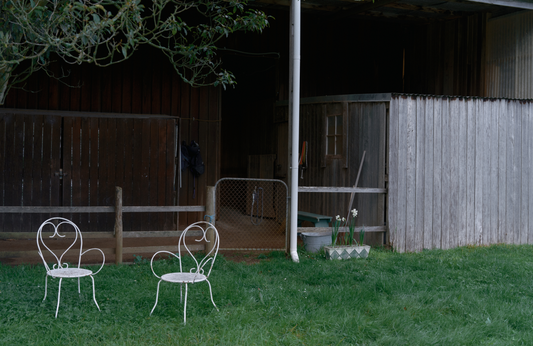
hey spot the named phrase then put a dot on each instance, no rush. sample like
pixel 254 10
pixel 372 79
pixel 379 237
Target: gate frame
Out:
pixel 287 200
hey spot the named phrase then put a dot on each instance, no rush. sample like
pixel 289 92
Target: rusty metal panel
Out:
pixel 510 56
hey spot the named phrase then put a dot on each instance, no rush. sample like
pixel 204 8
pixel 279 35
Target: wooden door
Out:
pixel 60 160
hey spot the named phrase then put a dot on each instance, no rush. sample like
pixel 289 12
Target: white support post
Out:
pixel 294 101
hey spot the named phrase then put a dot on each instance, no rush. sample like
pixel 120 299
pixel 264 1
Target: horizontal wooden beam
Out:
pixel 159 234
pixel 358 8
pixel 110 251
pixel 368 229
pixel 100 235
pixel 340 189
pixel 125 209
pixel 525 4
pixel 85 114
pixel 304 4
pixel 154 249
pixel 68 235
pixel 163 209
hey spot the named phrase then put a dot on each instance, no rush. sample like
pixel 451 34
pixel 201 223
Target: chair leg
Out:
pixel 79 291
pixel 185 306
pixel 58 296
pixel 45 286
pixel 211 294
pixel 156 297
pixel 94 295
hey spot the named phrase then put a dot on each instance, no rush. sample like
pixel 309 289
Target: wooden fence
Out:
pixel 459 172
pixel 20 247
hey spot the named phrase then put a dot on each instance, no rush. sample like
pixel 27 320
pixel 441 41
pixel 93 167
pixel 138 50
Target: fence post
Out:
pixel 210 216
pixel 118 224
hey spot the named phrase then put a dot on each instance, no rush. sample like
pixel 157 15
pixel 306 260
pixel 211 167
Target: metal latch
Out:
pixel 60 174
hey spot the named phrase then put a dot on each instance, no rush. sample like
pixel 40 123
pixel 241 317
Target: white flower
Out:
pixel 354 213
pixel 343 219
pixel 338 218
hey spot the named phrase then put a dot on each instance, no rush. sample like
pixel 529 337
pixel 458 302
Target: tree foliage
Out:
pixel 105 32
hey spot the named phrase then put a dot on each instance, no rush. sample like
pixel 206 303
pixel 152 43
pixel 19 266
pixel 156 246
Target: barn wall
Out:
pixel 61 158
pixel 351 57
pixel 365 131
pixel 446 57
pixel 510 56
pixel 459 172
pixel 373 56
pixel 141 85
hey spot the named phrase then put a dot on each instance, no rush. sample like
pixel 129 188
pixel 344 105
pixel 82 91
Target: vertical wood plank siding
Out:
pixel 459 172
pixel 366 132
pixel 84 168
pixel 445 57
pixel 146 84
pixel 510 56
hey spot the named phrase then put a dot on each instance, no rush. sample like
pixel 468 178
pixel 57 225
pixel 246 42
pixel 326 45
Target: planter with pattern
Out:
pixel 346 251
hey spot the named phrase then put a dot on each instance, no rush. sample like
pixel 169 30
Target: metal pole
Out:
pixel 295 98
pixel 210 217
pixel 118 225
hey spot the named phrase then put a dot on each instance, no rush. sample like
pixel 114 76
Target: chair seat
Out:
pixel 69 273
pixel 185 278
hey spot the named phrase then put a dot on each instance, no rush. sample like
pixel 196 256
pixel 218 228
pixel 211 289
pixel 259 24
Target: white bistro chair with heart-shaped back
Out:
pixel 63 229
pixel 201 232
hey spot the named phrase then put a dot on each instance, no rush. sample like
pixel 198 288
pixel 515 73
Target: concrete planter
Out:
pixel 347 251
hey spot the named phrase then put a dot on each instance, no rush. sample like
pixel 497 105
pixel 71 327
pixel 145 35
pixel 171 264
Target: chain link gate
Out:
pixel 251 214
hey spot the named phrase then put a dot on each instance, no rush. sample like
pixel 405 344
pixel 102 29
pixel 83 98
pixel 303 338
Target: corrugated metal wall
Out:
pixel 510 56
pixel 446 57
pixel 459 172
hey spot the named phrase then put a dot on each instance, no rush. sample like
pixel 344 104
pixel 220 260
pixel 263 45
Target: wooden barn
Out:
pixel 438 171
pixel 123 125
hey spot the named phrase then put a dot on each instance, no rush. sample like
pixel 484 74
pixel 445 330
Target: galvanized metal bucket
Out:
pixel 314 241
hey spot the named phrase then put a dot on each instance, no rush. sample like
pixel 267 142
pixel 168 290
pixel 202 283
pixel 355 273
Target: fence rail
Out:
pixel 340 189
pixel 125 209
pixel 328 189
pixel 14 245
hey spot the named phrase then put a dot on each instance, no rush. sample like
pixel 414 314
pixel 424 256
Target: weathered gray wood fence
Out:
pixel 459 172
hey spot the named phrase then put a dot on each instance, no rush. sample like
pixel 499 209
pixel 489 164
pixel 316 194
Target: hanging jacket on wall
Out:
pixel 196 164
pixel 192 159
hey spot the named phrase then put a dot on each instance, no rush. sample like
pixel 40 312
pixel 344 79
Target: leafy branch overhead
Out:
pixel 105 32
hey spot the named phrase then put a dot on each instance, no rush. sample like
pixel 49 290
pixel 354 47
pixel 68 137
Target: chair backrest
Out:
pixel 201 231
pixel 55 224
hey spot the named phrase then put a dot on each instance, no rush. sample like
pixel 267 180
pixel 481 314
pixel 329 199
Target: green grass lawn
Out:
pixel 464 296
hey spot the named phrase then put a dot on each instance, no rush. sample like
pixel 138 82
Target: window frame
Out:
pixel 329 110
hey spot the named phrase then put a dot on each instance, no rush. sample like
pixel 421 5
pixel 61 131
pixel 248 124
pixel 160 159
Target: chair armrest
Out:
pixel 103 258
pixel 152 260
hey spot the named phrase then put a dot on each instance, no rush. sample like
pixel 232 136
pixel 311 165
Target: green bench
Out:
pixel 317 219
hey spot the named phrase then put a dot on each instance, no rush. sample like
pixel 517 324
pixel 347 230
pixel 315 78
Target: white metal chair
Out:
pixel 60 269
pixel 201 231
